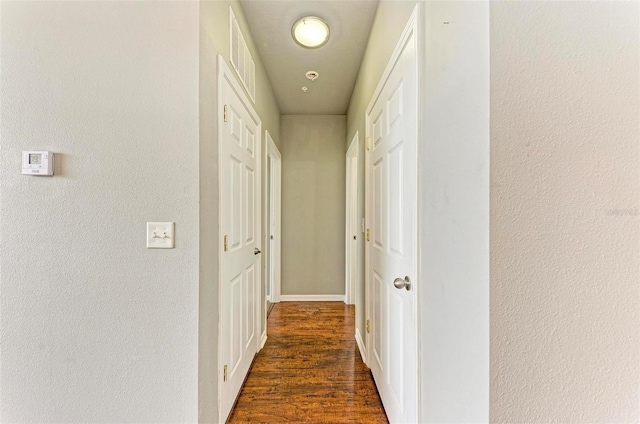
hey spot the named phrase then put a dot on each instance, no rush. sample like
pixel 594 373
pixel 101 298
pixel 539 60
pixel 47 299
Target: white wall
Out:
pixel 313 204
pixel 95 327
pixel 454 219
pixel 565 196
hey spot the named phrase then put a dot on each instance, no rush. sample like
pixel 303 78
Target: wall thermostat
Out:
pixel 37 163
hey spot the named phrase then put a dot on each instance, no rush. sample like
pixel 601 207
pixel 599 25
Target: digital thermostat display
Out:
pixel 35 158
pixel 37 163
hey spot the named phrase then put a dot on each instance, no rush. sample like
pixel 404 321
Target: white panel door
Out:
pixel 240 229
pixel 274 159
pixel 391 167
pixel 351 221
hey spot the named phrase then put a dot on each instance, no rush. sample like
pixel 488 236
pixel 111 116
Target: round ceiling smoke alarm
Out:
pixel 312 75
pixel 305 89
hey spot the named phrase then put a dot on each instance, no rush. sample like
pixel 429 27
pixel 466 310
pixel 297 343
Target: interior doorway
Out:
pixel 392 221
pixel 351 221
pixel 240 146
pixel 273 233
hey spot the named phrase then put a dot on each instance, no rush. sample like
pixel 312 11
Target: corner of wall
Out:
pixel 208 238
pixel 454 205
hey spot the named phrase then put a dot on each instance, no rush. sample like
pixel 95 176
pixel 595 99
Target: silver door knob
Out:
pixel 402 283
pixel 256 251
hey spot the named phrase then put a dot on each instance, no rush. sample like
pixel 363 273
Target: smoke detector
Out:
pixel 305 89
pixel 312 75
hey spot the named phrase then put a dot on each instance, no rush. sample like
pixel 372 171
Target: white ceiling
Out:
pixel 286 63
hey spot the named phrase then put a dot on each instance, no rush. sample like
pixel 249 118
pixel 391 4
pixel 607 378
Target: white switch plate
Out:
pixel 160 235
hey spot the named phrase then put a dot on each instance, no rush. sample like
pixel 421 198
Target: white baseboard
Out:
pixel 312 298
pixel 263 339
pixel 361 348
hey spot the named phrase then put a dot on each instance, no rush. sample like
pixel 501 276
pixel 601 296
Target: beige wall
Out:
pixel 94 326
pixel 565 195
pixel 214 40
pixel 313 204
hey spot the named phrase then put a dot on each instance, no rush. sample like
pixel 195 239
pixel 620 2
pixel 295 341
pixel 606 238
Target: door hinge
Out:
pixel 368 326
pixel 225 113
pixel 226 243
pixel 368 143
pixel 225 373
pixel 368 235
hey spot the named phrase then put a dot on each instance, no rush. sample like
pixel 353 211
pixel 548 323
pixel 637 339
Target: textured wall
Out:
pixel 313 204
pixel 95 327
pixel 565 195
pixel 454 217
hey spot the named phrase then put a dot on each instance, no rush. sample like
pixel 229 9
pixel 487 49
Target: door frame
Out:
pixel 352 272
pixel 274 205
pixel 414 25
pixel 226 74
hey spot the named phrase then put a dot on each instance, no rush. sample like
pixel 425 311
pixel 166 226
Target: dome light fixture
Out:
pixel 310 32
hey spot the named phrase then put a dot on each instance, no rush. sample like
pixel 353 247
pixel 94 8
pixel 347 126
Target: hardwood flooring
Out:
pixel 309 370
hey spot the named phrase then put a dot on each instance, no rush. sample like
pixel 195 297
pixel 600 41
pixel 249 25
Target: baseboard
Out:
pixel 360 344
pixel 312 298
pixel 263 339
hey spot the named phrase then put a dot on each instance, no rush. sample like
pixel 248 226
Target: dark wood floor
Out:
pixel 310 370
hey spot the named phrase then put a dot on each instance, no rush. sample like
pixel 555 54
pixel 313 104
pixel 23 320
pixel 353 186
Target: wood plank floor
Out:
pixel 310 370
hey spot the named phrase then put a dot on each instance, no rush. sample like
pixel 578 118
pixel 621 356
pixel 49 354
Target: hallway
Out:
pixel 467 173
pixel 309 370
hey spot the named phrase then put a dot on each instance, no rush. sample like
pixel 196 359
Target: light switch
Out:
pixel 160 235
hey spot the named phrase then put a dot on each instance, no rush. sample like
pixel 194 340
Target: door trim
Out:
pixel 275 208
pixel 414 25
pixel 352 273
pixel 225 74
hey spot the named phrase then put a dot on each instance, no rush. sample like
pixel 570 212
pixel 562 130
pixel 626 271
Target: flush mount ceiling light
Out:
pixel 310 32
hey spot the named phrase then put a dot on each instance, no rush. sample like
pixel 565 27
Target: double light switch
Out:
pixel 160 235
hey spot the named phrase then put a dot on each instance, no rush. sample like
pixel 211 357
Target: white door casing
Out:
pixel 391 213
pixel 275 218
pixel 239 131
pixel 351 220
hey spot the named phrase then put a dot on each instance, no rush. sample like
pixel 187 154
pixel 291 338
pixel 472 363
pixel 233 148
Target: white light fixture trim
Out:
pixel 310 32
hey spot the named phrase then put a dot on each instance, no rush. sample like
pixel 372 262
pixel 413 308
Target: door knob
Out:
pixel 402 283
pixel 256 251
